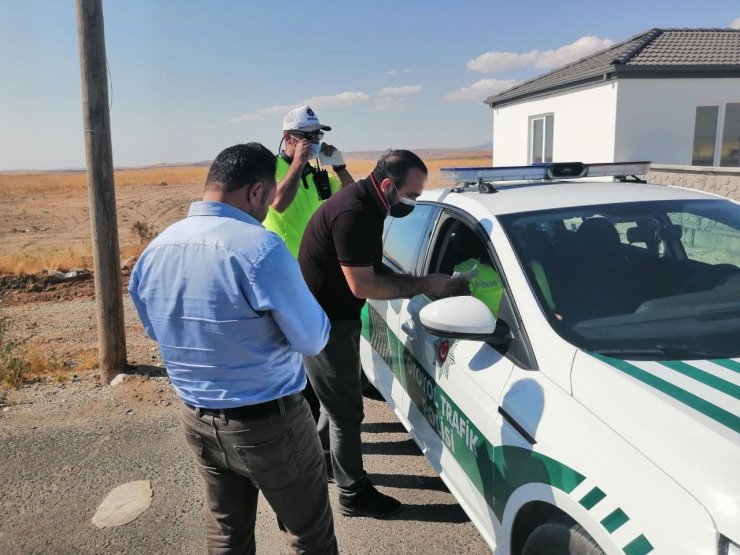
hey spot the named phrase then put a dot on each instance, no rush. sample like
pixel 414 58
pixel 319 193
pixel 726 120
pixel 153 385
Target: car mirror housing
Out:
pixel 458 318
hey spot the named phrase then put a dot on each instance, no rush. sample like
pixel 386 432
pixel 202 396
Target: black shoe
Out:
pixel 370 502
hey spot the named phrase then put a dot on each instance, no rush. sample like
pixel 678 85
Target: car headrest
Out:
pixel 672 231
pixel 641 234
pixel 598 233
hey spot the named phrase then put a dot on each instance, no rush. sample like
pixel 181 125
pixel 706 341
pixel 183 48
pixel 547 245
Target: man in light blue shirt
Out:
pixel 228 306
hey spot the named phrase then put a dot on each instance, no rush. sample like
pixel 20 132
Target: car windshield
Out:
pixel 643 280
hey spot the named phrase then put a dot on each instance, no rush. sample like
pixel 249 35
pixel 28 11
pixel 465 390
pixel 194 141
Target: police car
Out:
pixel 585 398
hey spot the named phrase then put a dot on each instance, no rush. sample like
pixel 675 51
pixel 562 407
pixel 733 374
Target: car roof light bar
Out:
pixel 542 172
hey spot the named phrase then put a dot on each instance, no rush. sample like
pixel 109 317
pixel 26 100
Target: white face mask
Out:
pixel 315 149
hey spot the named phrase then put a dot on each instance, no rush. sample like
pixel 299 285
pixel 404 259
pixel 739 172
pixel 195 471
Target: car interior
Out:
pixel 593 273
pixel 456 243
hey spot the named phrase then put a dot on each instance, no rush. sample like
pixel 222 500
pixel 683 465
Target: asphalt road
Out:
pixel 58 461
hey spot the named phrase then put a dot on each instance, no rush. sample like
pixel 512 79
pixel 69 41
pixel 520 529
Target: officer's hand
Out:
pixel 328 149
pixel 441 285
pixel 302 151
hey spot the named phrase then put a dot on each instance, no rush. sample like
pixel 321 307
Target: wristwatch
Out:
pixel 339 168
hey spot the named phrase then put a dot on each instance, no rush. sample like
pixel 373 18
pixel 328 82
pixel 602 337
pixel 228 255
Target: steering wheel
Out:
pixel 706 279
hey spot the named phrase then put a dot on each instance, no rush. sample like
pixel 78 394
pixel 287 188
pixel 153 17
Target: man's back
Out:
pixel 214 286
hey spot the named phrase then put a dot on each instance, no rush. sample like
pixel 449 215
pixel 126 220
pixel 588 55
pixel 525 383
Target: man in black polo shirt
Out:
pixel 341 260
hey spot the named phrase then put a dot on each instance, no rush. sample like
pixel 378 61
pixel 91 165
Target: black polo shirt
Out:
pixel 347 230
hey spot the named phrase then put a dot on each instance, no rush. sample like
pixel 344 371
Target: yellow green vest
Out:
pixel 291 224
pixel 539 275
pixel 486 286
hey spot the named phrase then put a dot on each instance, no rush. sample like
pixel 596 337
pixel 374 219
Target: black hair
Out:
pixel 396 165
pixel 241 166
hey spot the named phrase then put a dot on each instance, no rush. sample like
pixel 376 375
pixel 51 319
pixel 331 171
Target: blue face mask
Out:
pixel 403 207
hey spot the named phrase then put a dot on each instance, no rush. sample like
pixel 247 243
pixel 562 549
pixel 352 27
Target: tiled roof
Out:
pixel 654 53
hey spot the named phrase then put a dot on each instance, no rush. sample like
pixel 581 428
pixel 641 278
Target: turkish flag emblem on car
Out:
pixel 444 350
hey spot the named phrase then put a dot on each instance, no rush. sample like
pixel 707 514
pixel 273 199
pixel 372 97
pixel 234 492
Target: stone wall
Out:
pixel 720 181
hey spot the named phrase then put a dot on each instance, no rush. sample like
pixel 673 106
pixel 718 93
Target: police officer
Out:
pixel 302 187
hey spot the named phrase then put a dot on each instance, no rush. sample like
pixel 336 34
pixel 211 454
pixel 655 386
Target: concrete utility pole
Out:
pixel 99 156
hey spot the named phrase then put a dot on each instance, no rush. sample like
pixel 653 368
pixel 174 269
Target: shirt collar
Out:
pixel 367 185
pixel 221 210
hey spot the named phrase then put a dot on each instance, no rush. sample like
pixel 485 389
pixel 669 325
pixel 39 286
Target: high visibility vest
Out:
pixel 485 285
pixel 291 223
pixel 488 287
pixel 539 275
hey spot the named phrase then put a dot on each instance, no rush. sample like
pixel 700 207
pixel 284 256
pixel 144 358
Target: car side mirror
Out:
pixel 458 318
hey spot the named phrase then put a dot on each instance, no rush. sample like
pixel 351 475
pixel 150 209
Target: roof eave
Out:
pixel 674 71
pixel 626 72
pixel 504 98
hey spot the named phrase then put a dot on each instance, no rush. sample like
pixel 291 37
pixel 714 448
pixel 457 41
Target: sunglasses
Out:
pixel 313 135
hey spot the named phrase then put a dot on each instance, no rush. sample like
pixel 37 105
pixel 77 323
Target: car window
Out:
pixel 706 239
pixel 457 248
pixel 404 237
pixel 655 279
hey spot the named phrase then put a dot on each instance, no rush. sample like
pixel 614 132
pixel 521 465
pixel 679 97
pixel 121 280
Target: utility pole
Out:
pixel 99 157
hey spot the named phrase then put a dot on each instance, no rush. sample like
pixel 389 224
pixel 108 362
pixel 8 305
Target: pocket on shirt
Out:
pixel 274 464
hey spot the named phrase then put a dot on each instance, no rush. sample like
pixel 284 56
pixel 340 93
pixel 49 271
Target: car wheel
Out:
pixel 561 536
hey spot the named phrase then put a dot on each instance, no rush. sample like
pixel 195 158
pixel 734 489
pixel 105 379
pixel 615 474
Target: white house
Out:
pixel 670 96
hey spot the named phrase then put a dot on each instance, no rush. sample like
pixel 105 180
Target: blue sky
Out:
pixel 192 77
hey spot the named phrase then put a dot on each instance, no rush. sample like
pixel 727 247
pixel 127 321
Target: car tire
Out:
pixel 561 536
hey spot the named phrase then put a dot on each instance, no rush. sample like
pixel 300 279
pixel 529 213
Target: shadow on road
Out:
pixel 409 481
pixel 407 447
pixel 383 427
pixel 437 512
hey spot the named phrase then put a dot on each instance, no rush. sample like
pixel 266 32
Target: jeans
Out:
pixel 279 455
pixel 335 376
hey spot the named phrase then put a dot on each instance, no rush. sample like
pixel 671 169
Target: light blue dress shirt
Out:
pixel 228 306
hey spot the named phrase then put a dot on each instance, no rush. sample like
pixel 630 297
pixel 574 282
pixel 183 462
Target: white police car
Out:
pixel 599 411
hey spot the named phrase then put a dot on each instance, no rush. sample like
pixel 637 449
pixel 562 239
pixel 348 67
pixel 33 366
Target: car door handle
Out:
pixel 408 329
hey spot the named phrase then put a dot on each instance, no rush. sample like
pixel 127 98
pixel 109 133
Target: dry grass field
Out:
pixel 47 326
pixel 45 216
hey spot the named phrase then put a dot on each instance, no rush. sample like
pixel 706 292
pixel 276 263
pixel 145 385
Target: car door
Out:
pixel 454 386
pixel 382 354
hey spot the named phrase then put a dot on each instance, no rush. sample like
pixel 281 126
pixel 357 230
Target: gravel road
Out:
pixel 64 447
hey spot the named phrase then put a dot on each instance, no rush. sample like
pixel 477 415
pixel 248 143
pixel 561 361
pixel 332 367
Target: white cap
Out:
pixel 303 118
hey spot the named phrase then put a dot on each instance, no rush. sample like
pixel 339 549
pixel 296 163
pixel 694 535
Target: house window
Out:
pixel 540 138
pixel 730 153
pixel 717 135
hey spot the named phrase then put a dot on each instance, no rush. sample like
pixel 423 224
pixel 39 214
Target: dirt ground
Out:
pixel 45 233
pixel 68 439
pixel 45 217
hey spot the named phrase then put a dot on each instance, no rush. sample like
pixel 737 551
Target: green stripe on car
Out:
pixel 589 500
pixel 727 363
pixel 614 520
pixel 704 377
pixel 639 546
pixel 703 406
